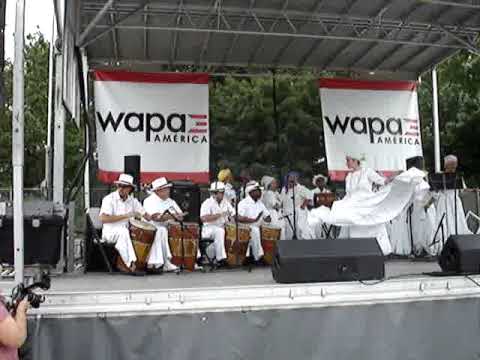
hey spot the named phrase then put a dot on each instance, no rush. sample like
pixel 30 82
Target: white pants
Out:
pixel 377 231
pixel 255 242
pixel 123 243
pixel 304 230
pixel 160 251
pixel 217 233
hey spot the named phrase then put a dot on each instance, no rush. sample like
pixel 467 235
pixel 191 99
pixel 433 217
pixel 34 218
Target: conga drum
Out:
pixel 236 250
pixel 183 253
pixel 324 199
pixel 269 236
pixel 142 235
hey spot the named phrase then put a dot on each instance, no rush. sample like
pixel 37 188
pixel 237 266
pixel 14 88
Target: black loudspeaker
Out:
pixel 461 254
pixel 131 166
pixel 300 261
pixel 187 196
pixel 416 161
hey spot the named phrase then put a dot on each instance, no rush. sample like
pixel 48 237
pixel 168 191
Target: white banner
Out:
pixel 377 120
pixel 163 117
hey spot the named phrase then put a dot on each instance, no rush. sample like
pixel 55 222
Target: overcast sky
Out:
pixel 38 15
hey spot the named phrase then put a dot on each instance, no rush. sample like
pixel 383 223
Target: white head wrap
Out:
pixel 252 185
pixel 319 176
pixel 267 181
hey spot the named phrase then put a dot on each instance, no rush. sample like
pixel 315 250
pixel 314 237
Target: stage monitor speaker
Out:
pixel 187 196
pixel 461 254
pixel 131 166
pixel 416 161
pixel 300 261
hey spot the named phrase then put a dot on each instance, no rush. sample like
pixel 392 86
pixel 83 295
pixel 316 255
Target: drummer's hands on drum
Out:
pixel 135 214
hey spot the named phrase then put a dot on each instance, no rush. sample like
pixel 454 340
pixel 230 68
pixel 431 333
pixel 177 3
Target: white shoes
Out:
pixel 170 267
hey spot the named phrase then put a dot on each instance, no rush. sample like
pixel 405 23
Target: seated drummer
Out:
pixel 117 208
pixel 163 209
pixel 320 183
pixel 253 212
pixel 214 213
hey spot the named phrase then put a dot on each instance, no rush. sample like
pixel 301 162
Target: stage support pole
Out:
pixel 48 148
pixel 436 126
pixel 58 133
pixel 18 121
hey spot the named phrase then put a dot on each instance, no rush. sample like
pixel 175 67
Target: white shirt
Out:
pixel 271 199
pixel 212 207
pixel 361 181
pixel 251 209
pixel 114 205
pixel 230 194
pixel 154 205
pixel 301 194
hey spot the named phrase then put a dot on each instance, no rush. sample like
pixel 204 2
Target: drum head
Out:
pixel 142 225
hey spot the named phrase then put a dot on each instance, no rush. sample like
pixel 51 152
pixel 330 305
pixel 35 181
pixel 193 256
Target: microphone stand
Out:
pixel 294 213
pixel 237 199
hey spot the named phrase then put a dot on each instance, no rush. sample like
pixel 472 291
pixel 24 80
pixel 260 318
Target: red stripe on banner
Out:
pixel 198 131
pixel 337 83
pixel 156 78
pixel 411 120
pixel 414 127
pixel 147 177
pixel 201 123
pixel 340 175
pixel 198 116
pixel 411 133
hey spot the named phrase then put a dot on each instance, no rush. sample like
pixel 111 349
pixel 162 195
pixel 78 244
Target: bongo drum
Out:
pixel 142 235
pixel 269 236
pixel 236 250
pixel 183 254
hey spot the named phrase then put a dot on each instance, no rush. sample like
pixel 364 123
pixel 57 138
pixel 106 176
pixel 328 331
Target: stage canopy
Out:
pixel 401 37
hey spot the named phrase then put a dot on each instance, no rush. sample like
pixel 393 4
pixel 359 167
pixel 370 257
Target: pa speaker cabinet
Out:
pixel 300 261
pixel 187 196
pixel 131 166
pixel 416 161
pixel 461 254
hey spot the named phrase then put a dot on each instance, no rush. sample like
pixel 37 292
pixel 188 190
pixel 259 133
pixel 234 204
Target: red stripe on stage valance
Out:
pixel 337 83
pixel 156 78
pixel 109 177
pixel 340 175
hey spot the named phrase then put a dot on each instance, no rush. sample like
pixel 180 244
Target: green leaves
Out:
pixel 243 125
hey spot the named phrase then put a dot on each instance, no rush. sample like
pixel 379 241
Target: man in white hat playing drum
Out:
pixel 253 212
pixel 117 209
pixel 163 209
pixel 214 213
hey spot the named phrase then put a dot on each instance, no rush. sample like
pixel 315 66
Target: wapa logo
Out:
pixel 379 131
pixel 157 127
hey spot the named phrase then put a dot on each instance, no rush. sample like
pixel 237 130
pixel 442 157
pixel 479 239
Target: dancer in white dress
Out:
pixel 359 186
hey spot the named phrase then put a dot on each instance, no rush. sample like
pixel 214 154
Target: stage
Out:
pixel 233 314
pixel 259 276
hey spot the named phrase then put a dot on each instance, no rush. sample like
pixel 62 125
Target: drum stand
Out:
pixel 181 268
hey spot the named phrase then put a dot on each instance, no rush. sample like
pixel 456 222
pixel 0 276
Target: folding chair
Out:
pixel 203 244
pixel 95 231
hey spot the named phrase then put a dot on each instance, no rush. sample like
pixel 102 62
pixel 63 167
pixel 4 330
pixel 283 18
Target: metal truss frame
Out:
pixel 282 22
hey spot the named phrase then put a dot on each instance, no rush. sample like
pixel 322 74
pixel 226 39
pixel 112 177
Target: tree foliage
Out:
pixel 243 126
pixel 36 109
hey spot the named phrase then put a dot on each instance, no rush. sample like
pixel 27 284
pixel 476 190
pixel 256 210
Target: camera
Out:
pixel 20 292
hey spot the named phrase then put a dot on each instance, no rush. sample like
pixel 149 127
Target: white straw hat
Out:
pixel 125 180
pixel 160 183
